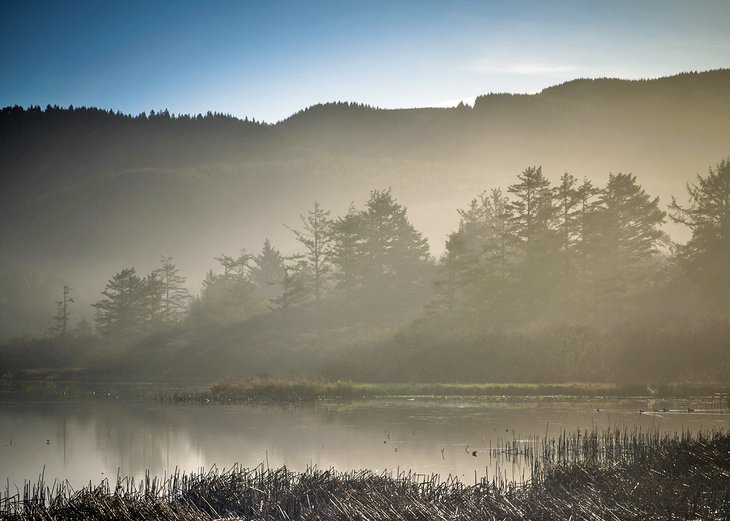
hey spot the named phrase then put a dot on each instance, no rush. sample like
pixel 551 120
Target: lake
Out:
pixel 89 440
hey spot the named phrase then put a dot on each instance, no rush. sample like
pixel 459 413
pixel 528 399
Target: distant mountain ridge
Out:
pixel 87 191
pixel 21 129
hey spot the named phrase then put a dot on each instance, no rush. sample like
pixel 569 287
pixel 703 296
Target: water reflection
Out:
pixel 85 441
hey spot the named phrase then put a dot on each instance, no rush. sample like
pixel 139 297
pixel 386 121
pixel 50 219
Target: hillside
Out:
pixel 85 192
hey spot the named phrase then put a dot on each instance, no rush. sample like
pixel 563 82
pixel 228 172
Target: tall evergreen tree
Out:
pixel 268 272
pixel 461 264
pixel 151 300
pixel 706 256
pixel 568 200
pixel 499 247
pixel 297 283
pixel 393 251
pixel 475 222
pixel 347 237
pixel 532 220
pixel 455 270
pixel 175 296
pixel 208 284
pixel 587 240
pixel 316 237
pixel 477 256
pixel 629 233
pixel 229 297
pixel 121 311
pixel 63 313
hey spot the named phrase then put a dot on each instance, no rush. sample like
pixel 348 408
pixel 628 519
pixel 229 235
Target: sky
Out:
pixel 269 59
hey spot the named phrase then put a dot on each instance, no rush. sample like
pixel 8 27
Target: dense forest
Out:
pixel 166 246
pixel 540 282
pixel 86 191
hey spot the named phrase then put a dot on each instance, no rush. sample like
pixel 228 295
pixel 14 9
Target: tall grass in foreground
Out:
pixel 611 475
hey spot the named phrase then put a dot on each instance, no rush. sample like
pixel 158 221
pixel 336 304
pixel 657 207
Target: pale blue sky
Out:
pixel 269 59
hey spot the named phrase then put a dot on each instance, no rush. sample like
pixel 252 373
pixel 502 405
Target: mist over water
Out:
pixel 84 441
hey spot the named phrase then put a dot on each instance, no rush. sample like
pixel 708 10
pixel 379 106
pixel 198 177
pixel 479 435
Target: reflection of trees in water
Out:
pixel 139 438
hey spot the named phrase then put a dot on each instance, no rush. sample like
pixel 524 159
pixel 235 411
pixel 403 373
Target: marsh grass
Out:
pixel 277 390
pixel 262 389
pixel 611 474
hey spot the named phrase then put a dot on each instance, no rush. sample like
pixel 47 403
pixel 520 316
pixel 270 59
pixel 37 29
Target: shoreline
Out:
pixel 294 390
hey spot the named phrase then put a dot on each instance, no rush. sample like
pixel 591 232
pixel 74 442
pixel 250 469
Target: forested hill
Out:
pixel 54 142
pixel 85 192
pixel 578 112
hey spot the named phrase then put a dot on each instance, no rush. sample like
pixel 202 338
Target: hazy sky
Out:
pixel 269 59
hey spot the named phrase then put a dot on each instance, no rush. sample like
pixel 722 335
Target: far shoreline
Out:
pixel 299 390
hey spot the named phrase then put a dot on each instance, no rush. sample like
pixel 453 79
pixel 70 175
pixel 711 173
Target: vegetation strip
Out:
pixel 288 391
pixel 612 475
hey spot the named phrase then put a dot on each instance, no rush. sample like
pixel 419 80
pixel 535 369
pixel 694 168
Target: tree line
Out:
pixel 534 250
pixel 93 114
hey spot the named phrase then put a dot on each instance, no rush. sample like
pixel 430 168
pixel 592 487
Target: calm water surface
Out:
pixel 90 440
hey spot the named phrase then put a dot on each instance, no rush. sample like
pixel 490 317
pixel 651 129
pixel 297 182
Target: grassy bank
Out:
pixel 585 475
pixel 281 390
pixel 294 390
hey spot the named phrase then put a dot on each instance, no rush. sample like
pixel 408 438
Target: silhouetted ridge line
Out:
pixel 572 87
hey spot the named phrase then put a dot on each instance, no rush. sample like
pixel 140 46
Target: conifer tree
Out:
pixel 121 310
pixel 477 254
pixel 586 249
pixel 568 200
pixel 501 240
pixel 455 268
pixel 393 251
pixel 208 284
pixel 297 283
pixel 347 237
pixel 175 296
pixel 706 256
pixel 628 227
pixel 268 272
pixel 568 223
pixel 532 221
pixel 533 213
pixel 63 313
pixel 229 297
pixel 316 237
pixel 151 301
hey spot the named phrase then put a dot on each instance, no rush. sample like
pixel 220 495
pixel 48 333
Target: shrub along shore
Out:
pixel 295 390
pixel 610 475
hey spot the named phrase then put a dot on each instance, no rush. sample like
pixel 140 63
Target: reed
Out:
pixel 611 474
